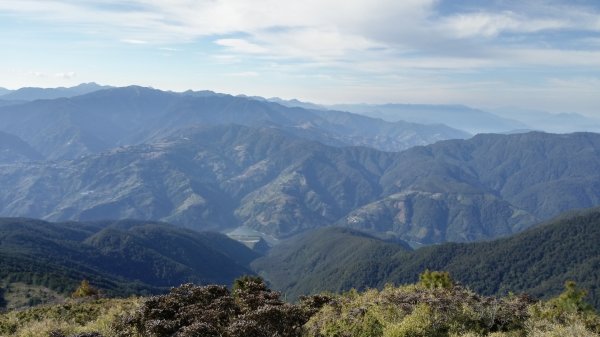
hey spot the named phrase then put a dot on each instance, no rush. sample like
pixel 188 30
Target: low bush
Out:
pixel 434 307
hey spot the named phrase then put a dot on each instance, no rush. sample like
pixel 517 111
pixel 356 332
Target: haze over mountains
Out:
pixel 457 116
pixel 500 120
pixel 562 122
pixel 66 128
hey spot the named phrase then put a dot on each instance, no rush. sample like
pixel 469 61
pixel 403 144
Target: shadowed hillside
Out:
pixel 120 258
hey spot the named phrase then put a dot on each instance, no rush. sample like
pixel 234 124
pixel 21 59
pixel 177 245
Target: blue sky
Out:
pixel 498 53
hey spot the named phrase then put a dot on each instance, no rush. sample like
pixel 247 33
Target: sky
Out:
pixel 542 55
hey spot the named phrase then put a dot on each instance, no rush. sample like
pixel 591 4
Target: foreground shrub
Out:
pixel 433 307
pixel 436 307
pixel 565 315
pixel 85 290
pixel 435 279
pixel 250 310
pixel 419 311
pixel 72 319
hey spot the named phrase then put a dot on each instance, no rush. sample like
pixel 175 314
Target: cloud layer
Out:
pixel 448 43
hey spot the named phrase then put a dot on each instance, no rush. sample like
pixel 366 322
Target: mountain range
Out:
pixel 224 177
pixel 457 116
pixel 66 128
pixel 472 120
pixel 551 122
pixel 497 120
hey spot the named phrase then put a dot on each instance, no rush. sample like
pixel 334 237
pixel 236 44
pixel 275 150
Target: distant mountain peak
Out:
pixel 34 93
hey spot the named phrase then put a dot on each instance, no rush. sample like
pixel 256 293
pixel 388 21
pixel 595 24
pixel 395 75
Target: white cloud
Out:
pixel 134 41
pixel 38 74
pixel 542 57
pixel 492 24
pixel 586 84
pixel 241 46
pixel 408 43
pixel 66 75
pixel 244 74
pixel 314 30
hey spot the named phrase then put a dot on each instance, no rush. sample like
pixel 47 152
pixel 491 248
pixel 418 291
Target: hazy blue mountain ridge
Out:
pixel 456 116
pixel 200 177
pixel 67 128
pixel 222 177
pixel 4 91
pixel 33 93
pixel 552 122
pixel 498 120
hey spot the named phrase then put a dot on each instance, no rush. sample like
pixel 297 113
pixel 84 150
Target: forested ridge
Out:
pixel 537 261
pixel 119 257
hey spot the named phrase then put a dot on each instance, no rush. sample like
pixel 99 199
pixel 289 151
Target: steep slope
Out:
pixel 537 261
pixel 120 257
pixel 203 177
pixel 334 259
pixel 13 150
pixel 67 128
pixel 432 193
pixel 219 178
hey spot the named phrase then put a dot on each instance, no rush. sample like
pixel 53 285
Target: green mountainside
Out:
pixel 537 261
pixel 125 257
pixel 455 190
pixel 121 257
pixel 333 259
